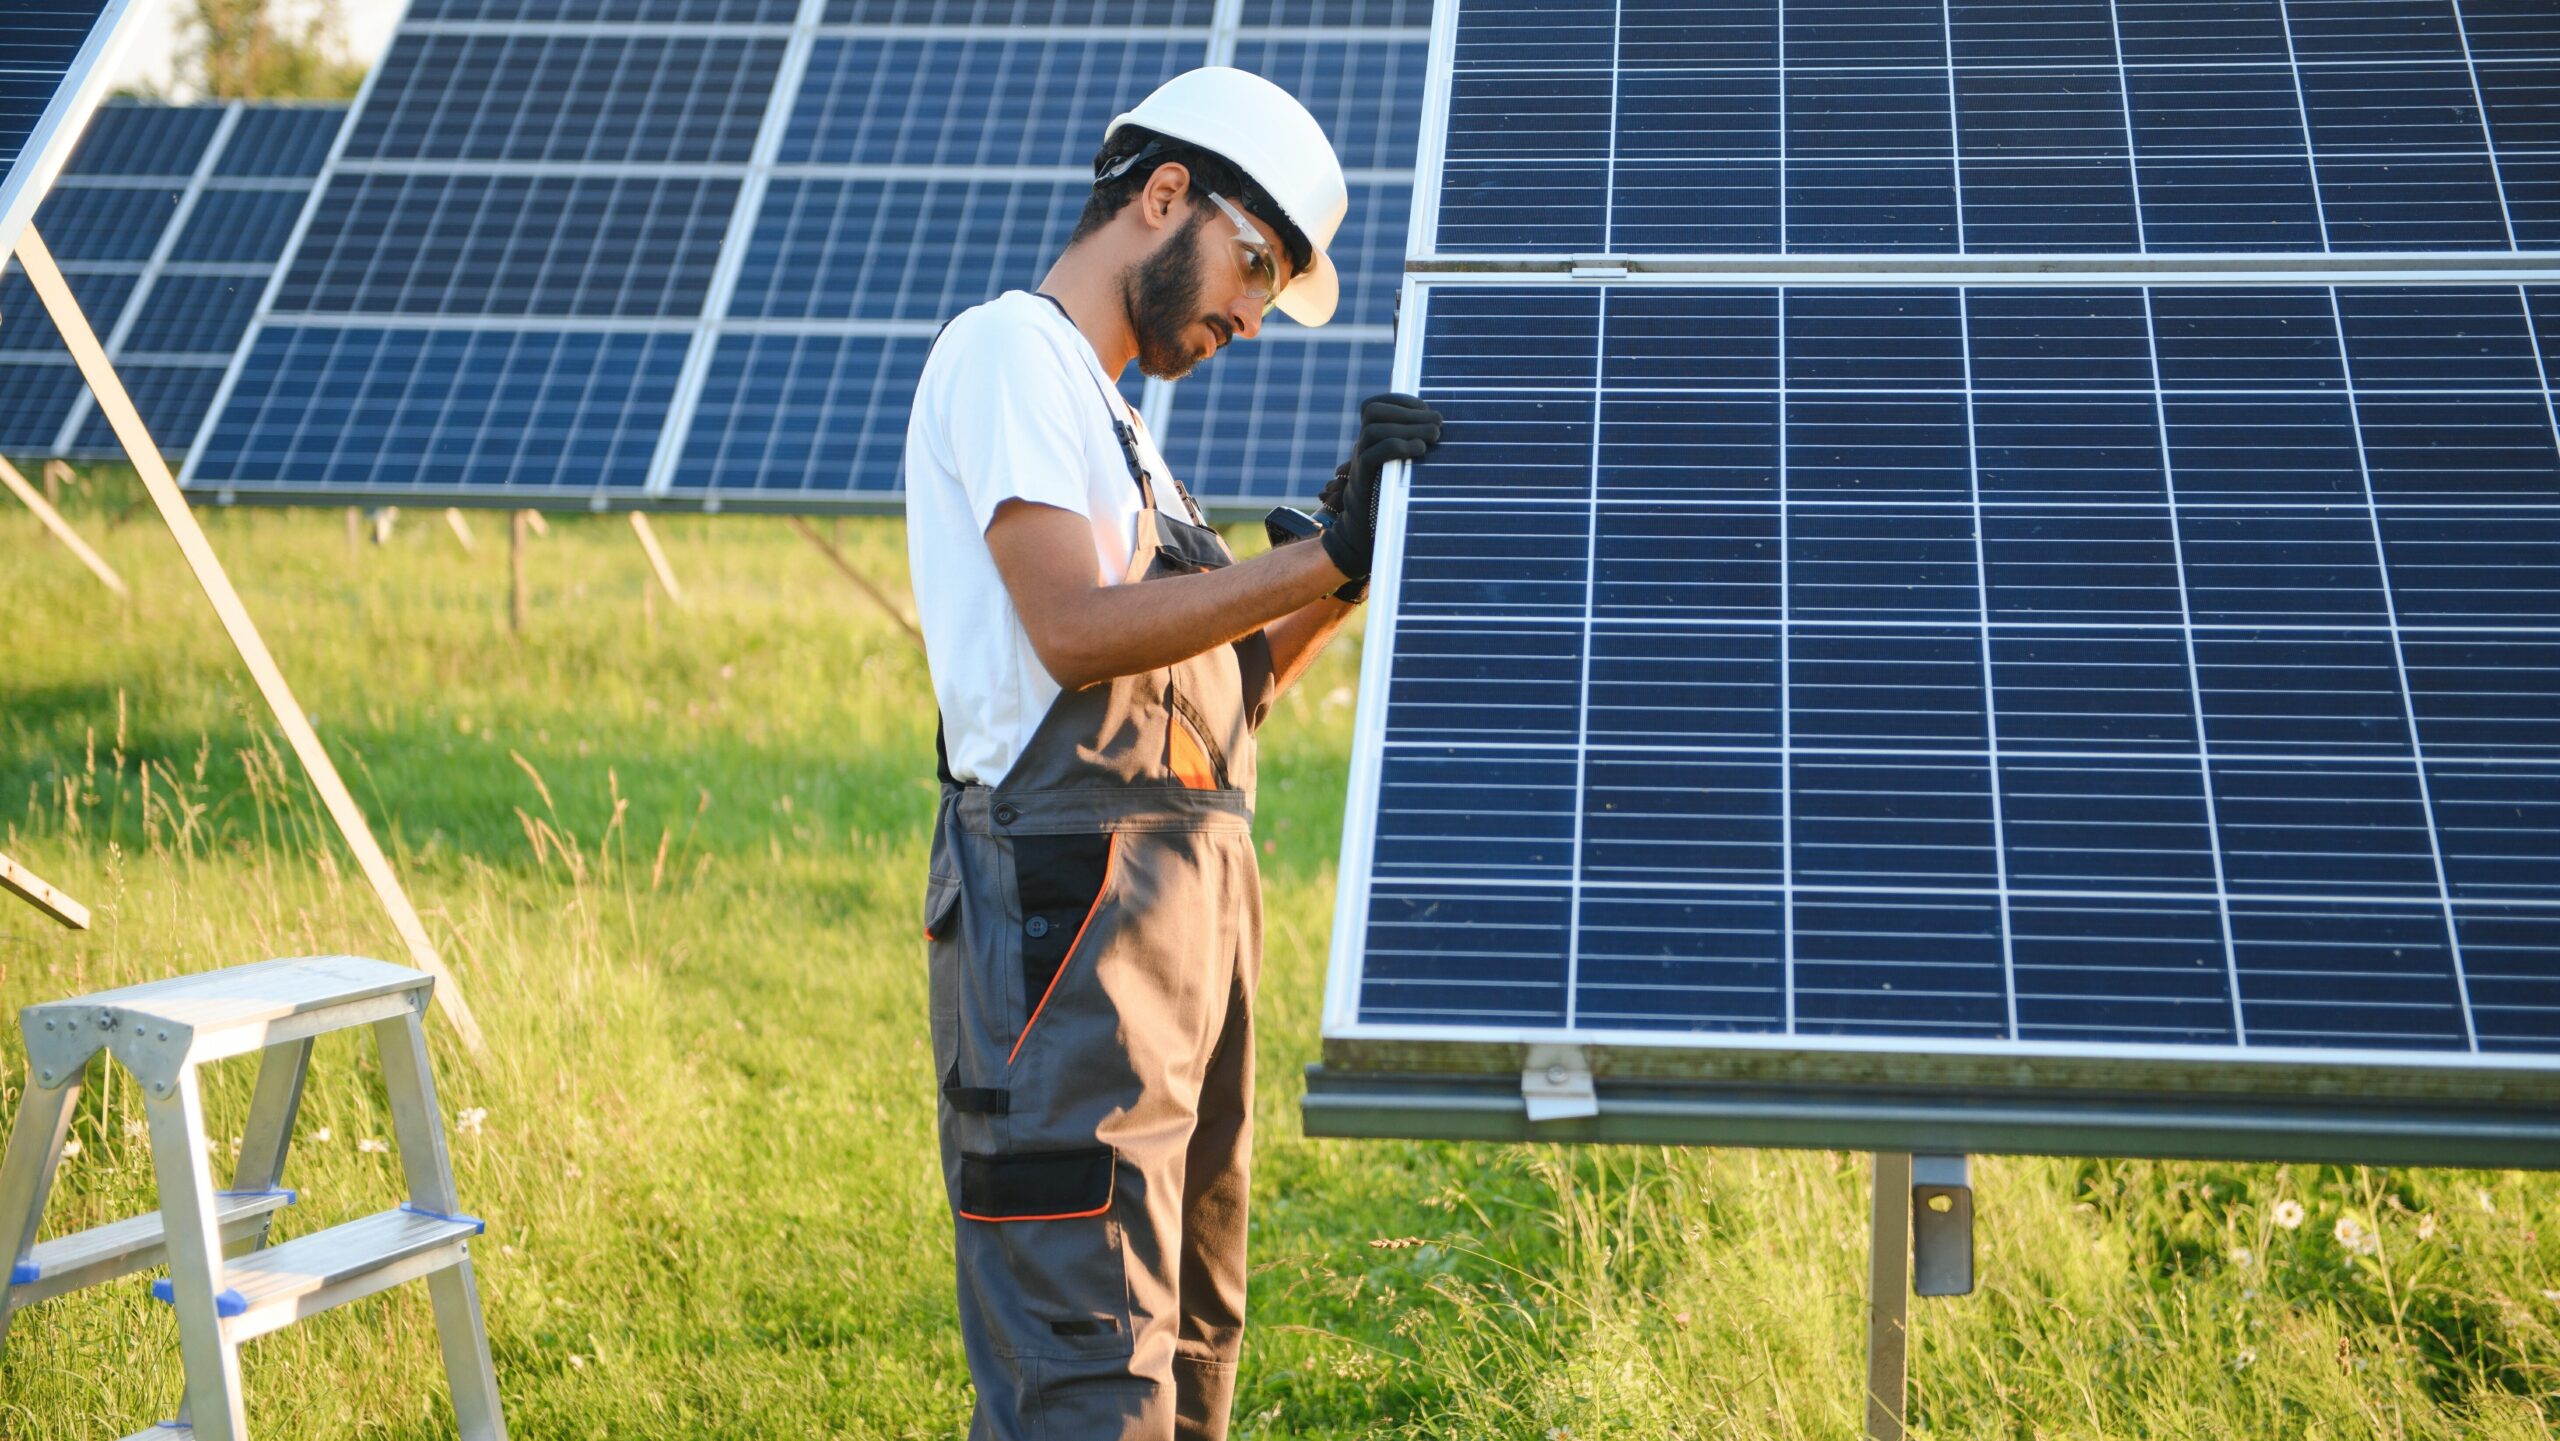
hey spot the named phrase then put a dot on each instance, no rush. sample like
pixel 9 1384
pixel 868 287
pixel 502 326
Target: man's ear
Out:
pixel 1166 187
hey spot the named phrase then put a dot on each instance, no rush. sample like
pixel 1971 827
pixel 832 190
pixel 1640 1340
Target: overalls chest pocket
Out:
pixel 1182 547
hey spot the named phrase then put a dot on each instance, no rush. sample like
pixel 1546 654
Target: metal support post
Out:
pixel 1888 1295
pixel 461 529
pixel 657 557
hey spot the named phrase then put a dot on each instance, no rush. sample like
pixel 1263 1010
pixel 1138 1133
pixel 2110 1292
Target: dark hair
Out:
pixel 1209 171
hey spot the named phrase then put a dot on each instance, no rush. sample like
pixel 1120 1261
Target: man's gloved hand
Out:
pixel 1392 427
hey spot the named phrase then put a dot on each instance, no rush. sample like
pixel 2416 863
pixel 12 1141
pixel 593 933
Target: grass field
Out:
pixel 678 868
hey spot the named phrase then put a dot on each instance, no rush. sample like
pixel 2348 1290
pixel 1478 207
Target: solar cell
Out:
pixel 229 180
pixel 800 205
pixel 2156 671
pixel 1992 126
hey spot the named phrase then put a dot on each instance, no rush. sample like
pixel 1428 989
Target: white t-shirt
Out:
pixel 1010 407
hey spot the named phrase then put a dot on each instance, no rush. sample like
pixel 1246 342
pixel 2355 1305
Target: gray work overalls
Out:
pixel 1094 924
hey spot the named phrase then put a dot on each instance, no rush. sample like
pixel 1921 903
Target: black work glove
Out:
pixel 1392 427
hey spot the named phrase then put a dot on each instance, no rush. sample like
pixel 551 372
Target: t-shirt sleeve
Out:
pixel 1011 424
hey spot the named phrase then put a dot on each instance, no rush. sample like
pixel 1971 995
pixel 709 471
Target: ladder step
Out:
pixel 103 1253
pixel 282 1284
pixel 212 1003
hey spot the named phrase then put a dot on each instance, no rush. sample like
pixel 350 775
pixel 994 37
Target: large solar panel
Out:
pixel 53 68
pixel 1950 699
pixel 168 221
pixel 707 244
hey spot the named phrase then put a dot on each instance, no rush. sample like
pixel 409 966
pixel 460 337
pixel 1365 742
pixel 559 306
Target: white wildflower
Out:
pixel 469 1122
pixel 2287 1214
pixel 134 1128
pixel 322 1135
pixel 2427 1226
pixel 70 1147
pixel 2247 1358
pixel 2351 1234
pixel 372 1147
pixel 2243 1257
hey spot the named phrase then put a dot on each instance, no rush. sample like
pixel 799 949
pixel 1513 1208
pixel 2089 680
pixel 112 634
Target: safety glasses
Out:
pixel 1260 267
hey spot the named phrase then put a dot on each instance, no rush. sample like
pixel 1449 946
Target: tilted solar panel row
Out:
pixel 790 200
pixel 1990 126
pixel 168 221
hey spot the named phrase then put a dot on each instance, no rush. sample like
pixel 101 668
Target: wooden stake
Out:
pixel 657 557
pixel 860 581
pixel 117 407
pixel 515 573
pixel 31 888
pixel 355 534
pixel 539 526
pixel 61 528
pixel 461 530
pixel 57 474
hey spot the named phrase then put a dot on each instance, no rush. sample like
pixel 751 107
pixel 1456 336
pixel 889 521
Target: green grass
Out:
pixel 679 869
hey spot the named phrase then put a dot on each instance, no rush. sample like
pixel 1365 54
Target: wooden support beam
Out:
pixel 57 474
pixel 861 582
pixel 515 571
pixel 461 530
pixel 62 531
pixel 534 522
pixel 657 557
pixel 117 407
pixel 27 886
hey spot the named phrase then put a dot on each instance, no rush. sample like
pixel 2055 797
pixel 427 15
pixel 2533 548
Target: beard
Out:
pixel 1162 296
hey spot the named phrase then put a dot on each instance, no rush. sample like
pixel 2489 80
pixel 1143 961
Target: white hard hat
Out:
pixel 1263 131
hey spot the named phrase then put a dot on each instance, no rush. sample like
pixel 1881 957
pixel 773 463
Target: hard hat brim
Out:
pixel 1311 298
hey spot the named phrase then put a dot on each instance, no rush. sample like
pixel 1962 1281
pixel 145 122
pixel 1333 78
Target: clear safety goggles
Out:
pixel 1261 268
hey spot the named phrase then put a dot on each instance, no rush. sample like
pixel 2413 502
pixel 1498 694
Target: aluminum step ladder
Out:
pixel 228 1285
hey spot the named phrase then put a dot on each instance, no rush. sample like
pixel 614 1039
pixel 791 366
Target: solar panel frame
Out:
pixel 764 295
pixel 66 95
pixel 1786 1086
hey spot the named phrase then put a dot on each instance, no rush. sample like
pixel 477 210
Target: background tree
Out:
pixel 265 49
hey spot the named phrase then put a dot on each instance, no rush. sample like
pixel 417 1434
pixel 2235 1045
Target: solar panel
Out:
pixel 795 197
pixel 1852 684
pixel 167 221
pixel 53 64
pixel 1992 126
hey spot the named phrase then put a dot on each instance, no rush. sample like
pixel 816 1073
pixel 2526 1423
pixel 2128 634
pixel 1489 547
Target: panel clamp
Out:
pixel 1555 1084
pixel 1941 1226
pixel 1599 267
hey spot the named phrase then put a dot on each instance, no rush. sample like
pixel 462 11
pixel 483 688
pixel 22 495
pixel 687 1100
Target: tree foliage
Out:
pixel 257 50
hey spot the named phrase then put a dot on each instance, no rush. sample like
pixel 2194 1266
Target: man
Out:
pixel 1093 912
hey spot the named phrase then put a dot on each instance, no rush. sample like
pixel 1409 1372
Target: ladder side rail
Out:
pixel 213 1398
pixel 461 1330
pixel 268 1136
pixel 27 1170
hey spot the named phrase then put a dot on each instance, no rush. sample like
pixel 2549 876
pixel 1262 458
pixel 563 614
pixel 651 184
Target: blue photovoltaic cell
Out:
pixel 1987 126
pixel 171 399
pixel 997 100
pixel 198 314
pixel 2114 665
pixel 105 222
pixel 791 413
pixel 997 14
pixel 239 227
pixel 509 245
pixel 610 12
pixel 25 329
pixel 914 249
pixel 275 142
pixel 383 408
pixel 33 401
pixel 158 140
pixel 1272 418
pixel 567 97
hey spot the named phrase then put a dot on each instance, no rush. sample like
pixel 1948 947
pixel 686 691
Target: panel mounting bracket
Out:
pixel 1555 1084
pixel 1941 1226
pixel 1599 267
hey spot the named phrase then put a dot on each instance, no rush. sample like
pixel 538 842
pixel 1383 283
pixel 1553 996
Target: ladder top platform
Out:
pixel 240 996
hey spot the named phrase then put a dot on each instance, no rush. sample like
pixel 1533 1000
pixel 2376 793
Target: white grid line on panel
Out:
pixel 2132 153
pixel 2302 111
pixel 2534 340
pixel 2408 701
pixel 2488 141
pixel 1955 151
pixel 1786 681
pixel 2414 906
pixel 2195 684
pixel 1582 687
pixel 733 250
pixel 1982 614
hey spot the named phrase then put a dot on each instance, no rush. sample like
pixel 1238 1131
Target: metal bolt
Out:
pixel 48 1025
pixel 1555 1074
pixel 48 1080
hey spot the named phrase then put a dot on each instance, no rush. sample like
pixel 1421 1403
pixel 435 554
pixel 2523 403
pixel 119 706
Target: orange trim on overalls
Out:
pixel 1110 863
pixel 1061 1216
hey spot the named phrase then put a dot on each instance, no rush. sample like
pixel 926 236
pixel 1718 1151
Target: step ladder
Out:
pixel 228 1285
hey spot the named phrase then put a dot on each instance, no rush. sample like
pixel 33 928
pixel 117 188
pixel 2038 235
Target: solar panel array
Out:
pixel 167 221
pixel 1944 652
pixel 693 252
